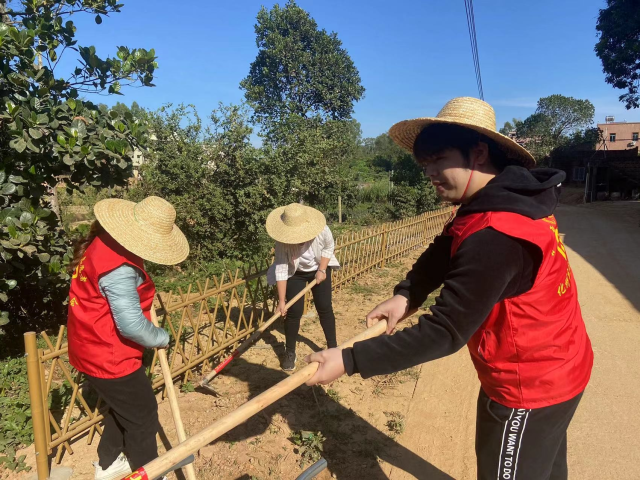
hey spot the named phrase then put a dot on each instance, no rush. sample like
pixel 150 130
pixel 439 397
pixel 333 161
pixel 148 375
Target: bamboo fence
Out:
pixel 207 321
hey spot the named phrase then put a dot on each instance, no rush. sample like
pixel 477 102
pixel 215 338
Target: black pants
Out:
pixel 521 444
pixel 132 423
pixel 321 299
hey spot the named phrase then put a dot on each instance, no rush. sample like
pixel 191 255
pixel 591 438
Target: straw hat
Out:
pixel 295 223
pixel 466 112
pixel 146 228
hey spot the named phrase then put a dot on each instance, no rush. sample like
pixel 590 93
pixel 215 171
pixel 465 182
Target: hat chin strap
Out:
pixel 473 169
pixel 457 203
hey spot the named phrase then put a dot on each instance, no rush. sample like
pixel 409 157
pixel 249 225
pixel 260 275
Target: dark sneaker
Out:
pixel 289 361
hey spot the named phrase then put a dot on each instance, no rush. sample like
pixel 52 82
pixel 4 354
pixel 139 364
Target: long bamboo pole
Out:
pixel 250 341
pixel 163 463
pixel 173 399
pixel 37 407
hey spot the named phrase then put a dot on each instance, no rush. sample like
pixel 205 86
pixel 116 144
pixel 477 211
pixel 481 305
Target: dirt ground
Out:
pixel 360 420
pixel 420 423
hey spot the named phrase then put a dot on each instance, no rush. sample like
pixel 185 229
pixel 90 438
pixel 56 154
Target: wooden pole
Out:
pixel 383 245
pixel 173 399
pixel 37 408
pixel 249 341
pixel 339 209
pixel 220 427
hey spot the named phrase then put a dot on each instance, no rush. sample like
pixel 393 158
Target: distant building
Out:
pixel 137 158
pixel 605 174
pixel 520 141
pixel 620 135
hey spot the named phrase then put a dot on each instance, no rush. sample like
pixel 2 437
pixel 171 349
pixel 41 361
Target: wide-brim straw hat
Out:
pixel 146 229
pixel 295 223
pixel 466 112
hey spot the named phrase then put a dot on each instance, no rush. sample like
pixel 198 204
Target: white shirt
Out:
pixel 287 256
pixel 307 261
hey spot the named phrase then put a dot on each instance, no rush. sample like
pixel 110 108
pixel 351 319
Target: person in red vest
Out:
pixel 109 323
pixel 508 293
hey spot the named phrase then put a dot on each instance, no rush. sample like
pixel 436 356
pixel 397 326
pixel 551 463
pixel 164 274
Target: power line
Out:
pixel 474 45
pixel 471 24
pixel 471 38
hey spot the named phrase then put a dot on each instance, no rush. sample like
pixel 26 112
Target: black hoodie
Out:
pixel 487 268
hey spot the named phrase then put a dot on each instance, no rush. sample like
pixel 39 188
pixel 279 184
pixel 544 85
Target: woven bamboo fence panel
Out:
pixel 206 321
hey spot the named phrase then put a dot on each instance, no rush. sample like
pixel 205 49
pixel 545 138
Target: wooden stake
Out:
pixel 220 427
pixel 173 399
pixel 339 209
pixel 383 246
pixel 37 408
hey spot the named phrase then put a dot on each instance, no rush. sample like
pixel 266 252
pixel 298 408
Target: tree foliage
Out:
pixel 300 70
pixel 619 48
pixel 49 135
pixel 219 183
pixel 510 126
pixel 555 119
pixel 412 192
pixel 565 114
pixel 301 88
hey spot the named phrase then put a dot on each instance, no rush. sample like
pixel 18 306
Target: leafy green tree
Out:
pixel 536 132
pixel 221 186
pixel 619 48
pixel 385 153
pixel 510 126
pixel 48 136
pixel 412 192
pixel 555 119
pixel 135 110
pixel 314 158
pixel 565 114
pixel 589 137
pixel 301 88
pixel 300 70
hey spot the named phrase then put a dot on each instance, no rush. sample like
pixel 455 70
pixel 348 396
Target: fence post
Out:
pixel 426 227
pixel 37 407
pixel 45 405
pixel 339 209
pixel 384 244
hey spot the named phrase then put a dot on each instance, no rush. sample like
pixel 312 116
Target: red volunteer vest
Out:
pixel 96 347
pixel 533 350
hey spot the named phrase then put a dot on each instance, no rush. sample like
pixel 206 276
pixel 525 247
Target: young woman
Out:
pixel 303 252
pixel 109 325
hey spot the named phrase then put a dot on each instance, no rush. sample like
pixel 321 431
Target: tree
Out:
pixel 412 192
pixel 300 70
pixel 302 87
pixel 49 136
pixel 221 186
pixel 589 138
pixel 619 48
pixel 511 126
pixel 555 119
pixel 535 132
pixel 565 114
pixel 136 110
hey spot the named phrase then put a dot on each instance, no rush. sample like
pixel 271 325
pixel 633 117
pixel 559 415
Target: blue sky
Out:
pixel 412 55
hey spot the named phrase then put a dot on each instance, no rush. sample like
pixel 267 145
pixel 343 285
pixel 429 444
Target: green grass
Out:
pixel 334 395
pixel 358 289
pixel 395 423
